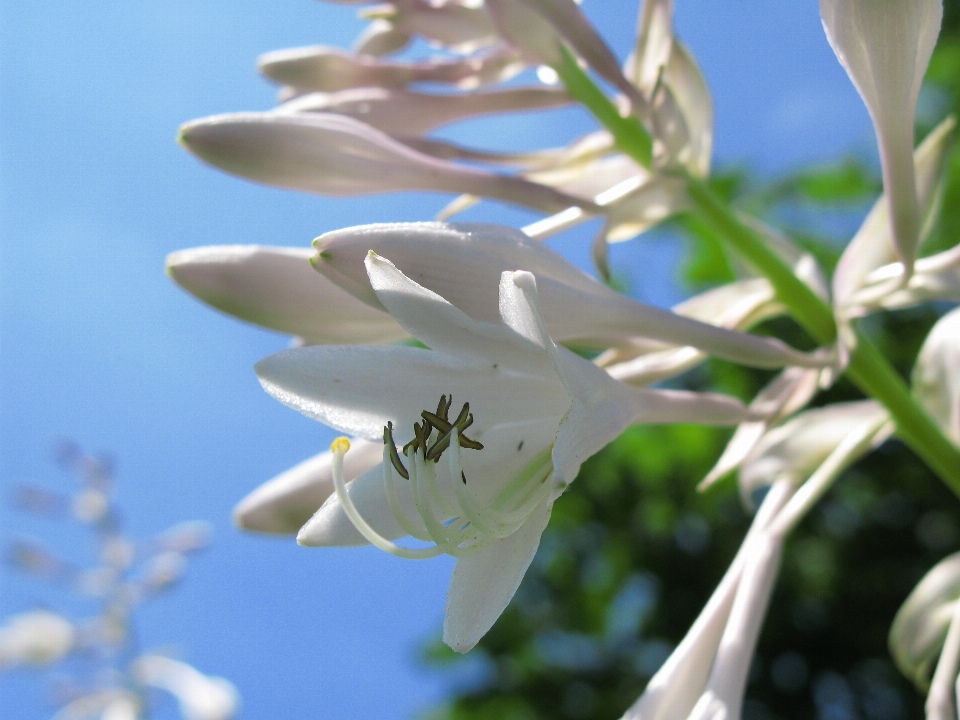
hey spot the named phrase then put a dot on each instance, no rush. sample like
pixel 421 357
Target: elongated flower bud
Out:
pixel 337 155
pixel 277 289
pixel 402 113
pixel 464 262
pixel 329 69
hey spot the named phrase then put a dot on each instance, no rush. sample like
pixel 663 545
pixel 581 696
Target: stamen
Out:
pixel 438 533
pixel 472 525
pixel 408 526
pixel 391 447
pixel 339 449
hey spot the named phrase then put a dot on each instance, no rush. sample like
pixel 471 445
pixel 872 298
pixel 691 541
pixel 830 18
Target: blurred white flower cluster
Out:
pixel 103 673
pixel 464 444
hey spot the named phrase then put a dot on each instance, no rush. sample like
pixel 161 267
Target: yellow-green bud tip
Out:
pixel 340 445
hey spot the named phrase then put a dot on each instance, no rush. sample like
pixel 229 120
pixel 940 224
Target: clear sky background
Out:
pixel 97 345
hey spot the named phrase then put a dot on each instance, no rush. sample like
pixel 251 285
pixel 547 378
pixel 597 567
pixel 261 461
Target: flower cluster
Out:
pixel 504 323
pixel 116 678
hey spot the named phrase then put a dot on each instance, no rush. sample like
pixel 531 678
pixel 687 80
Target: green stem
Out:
pixel 868 368
pixel 628 132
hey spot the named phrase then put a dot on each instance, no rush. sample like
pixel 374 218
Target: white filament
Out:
pixel 339 449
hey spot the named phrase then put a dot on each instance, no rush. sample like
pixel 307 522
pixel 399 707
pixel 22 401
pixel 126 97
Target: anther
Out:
pixel 392 449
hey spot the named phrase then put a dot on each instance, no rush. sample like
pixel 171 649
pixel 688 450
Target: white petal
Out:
pixel 885 47
pixel 357 390
pixel 381 38
pixel 461 262
pixel 277 289
pixel 723 696
pixel 566 19
pixel 936 375
pixel 282 505
pixel 443 327
pixel 459 26
pixel 935 278
pixel 872 247
pixel 597 419
pixel 402 113
pixel 329 69
pixel 330 526
pixel 455 261
pixel 336 155
pixel 654 44
pixel 690 90
pixel 38 637
pixel 672 693
pixel 920 625
pixel 483 584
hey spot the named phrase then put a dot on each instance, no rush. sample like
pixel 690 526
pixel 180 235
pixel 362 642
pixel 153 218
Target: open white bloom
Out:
pixel 282 505
pixel 463 263
pixel 201 697
pixel 39 637
pixel 885 47
pixel 277 289
pixel 926 634
pixel 535 413
pixel 936 374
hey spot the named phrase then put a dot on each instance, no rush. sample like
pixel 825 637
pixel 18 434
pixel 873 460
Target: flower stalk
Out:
pixel 628 132
pixel 868 368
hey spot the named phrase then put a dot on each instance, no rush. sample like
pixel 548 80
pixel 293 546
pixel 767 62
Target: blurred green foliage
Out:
pixel 633 550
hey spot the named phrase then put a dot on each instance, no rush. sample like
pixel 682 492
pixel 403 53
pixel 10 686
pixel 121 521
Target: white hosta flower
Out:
pixel 277 289
pixel 38 637
pixel 282 505
pixel 464 263
pixel 538 27
pixel 337 155
pixel 812 449
pixel 201 697
pixel 403 113
pixel 936 374
pixel 868 274
pixel 667 75
pixel 537 412
pixel 328 69
pixel 885 47
pixel 705 676
pixel 461 26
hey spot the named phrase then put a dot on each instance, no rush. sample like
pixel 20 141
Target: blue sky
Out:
pixel 97 345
